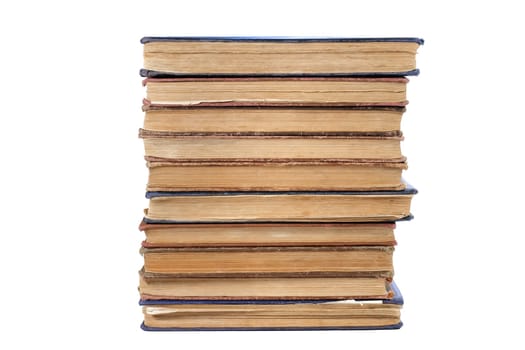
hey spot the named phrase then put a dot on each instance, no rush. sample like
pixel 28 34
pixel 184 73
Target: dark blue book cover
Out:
pixel 278 39
pixel 408 190
pixel 279 56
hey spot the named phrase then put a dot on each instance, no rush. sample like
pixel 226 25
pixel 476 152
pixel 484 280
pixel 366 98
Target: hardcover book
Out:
pixel 270 56
pixel 166 146
pixel 277 91
pixel 274 175
pixel 201 315
pixel 267 234
pixel 264 261
pixel 167 287
pixel 351 206
pixel 275 120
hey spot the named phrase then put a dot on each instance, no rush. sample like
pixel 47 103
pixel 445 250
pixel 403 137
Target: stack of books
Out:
pixel 275 181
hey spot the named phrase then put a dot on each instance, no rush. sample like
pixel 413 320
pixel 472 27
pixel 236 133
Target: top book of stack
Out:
pixel 279 56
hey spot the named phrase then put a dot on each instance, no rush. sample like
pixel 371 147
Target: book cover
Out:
pixel 409 190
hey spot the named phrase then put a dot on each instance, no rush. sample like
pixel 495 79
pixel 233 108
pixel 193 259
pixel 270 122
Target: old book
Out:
pixel 282 314
pixel 275 120
pixel 274 176
pixel 276 91
pixel 167 146
pixel 279 56
pixel 267 234
pixel 263 261
pixel 166 287
pixel 350 206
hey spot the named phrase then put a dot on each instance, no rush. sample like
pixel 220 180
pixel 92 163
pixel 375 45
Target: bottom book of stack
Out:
pixel 273 314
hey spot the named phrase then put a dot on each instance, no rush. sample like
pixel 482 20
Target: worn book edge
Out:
pixel 396 300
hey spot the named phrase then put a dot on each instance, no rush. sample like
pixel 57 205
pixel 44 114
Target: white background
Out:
pixel 73 177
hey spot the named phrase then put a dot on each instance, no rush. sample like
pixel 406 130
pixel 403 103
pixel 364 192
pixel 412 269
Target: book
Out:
pixel 166 287
pixel 263 261
pixel 166 146
pixel 164 56
pixel 289 206
pixel 267 234
pixel 275 120
pixel 186 315
pixel 276 91
pixel 274 175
